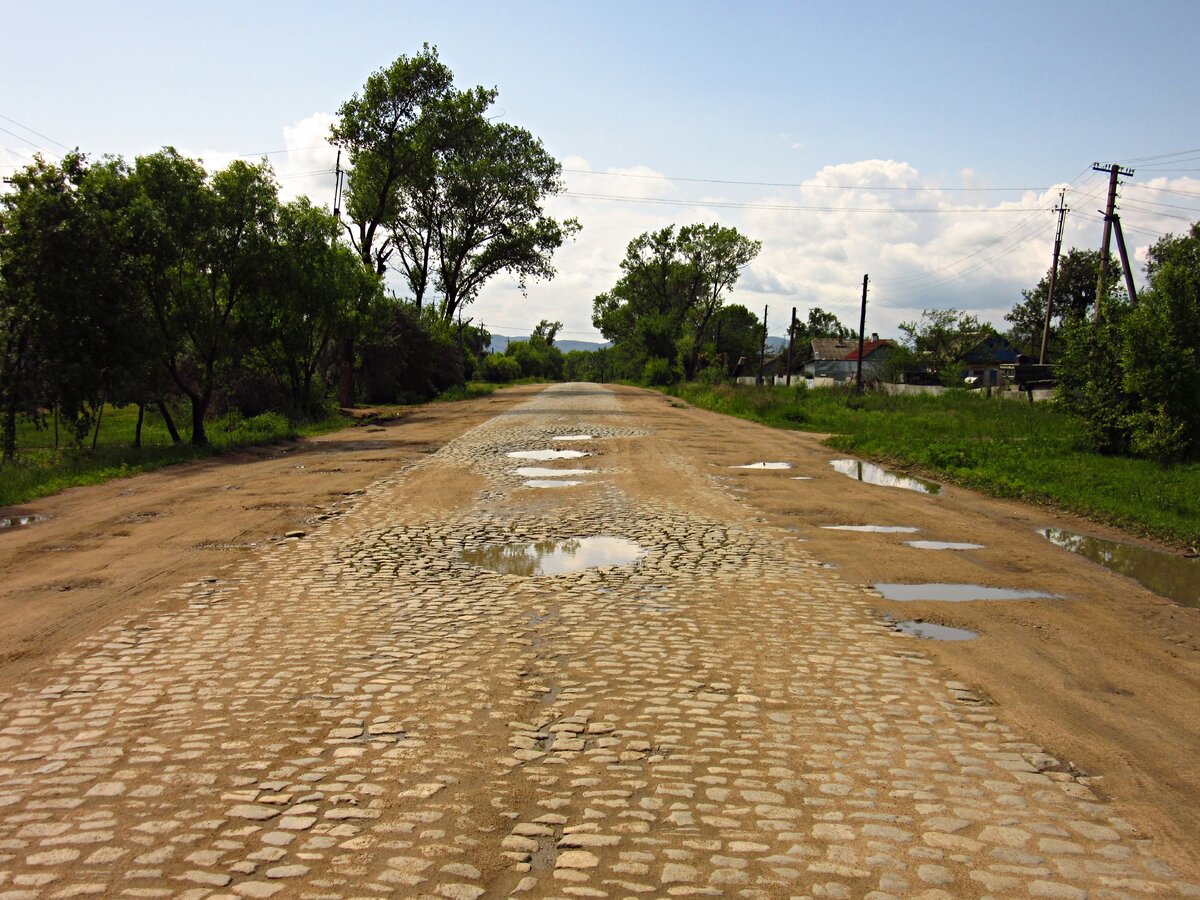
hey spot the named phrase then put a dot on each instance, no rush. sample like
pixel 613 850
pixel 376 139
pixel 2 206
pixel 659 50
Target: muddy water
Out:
pixel 942 545
pixel 543 455
pixel 876 529
pixel 934 632
pixel 550 482
pixel 542 472
pixel 20 521
pixel 957 593
pixel 764 465
pixel 1174 577
pixel 555 557
pixel 873 474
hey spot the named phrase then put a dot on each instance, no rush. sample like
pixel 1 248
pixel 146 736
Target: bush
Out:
pixel 500 369
pixel 658 372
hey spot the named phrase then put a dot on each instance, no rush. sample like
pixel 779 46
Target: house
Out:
pixel 985 359
pixel 838 358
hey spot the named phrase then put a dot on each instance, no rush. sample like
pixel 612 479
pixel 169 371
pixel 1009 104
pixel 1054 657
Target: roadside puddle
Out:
pixel 957 593
pixel 1174 577
pixel 942 545
pixel 933 632
pixel 555 557
pixel 764 465
pixel 20 521
pixel 550 482
pixel 542 472
pixel 543 455
pixel 876 529
pixel 572 437
pixel 873 474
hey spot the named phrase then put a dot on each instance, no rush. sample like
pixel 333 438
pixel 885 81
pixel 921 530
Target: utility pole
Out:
pixel 762 353
pixel 1113 171
pixel 337 193
pixel 1061 209
pixel 791 340
pixel 862 325
pixel 1125 260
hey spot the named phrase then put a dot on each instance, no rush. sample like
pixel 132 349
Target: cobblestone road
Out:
pixel 361 713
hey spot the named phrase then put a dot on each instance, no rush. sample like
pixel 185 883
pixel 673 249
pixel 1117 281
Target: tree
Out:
pixel 1074 299
pixel 941 337
pixel 672 286
pixel 737 338
pixel 820 324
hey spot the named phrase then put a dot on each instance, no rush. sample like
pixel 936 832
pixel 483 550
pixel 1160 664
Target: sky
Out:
pixel 923 144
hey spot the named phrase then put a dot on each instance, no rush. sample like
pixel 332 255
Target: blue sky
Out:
pixel 872 112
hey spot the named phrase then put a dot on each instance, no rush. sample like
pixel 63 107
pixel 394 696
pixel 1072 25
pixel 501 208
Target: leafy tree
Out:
pixel 941 337
pixel 737 337
pixel 820 324
pixel 671 288
pixel 1074 299
pixel 546 331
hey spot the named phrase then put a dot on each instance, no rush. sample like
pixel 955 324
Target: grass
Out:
pixel 41 470
pixel 999 447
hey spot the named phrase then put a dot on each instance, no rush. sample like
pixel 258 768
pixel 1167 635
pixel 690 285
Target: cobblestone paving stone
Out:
pixel 360 713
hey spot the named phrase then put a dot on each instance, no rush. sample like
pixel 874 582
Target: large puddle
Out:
pixel 943 545
pixel 555 557
pixel 873 474
pixel 20 521
pixel 877 529
pixel 1174 577
pixel 764 465
pixel 543 455
pixel 933 632
pixel 543 472
pixel 550 482
pixel 957 593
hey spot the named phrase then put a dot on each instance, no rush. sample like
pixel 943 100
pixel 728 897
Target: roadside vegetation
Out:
pixel 1037 453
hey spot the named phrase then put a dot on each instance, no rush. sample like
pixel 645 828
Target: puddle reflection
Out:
pixel 764 465
pixel 543 455
pixel 20 521
pixel 957 593
pixel 555 557
pixel 873 474
pixel 550 482
pixel 1174 577
pixel 572 437
pixel 934 632
pixel 542 472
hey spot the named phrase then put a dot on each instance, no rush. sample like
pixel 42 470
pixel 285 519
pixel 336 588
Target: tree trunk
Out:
pixel 170 423
pixel 199 407
pixel 137 432
pixel 99 419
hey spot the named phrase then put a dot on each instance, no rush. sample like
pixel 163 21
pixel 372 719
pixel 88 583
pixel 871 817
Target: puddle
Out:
pixel 764 465
pixel 802 478
pixel 943 545
pixel 572 437
pixel 555 557
pixel 20 521
pixel 879 529
pixel 934 632
pixel 1167 575
pixel 542 472
pixel 873 474
pixel 550 483
pixel 957 593
pixel 543 455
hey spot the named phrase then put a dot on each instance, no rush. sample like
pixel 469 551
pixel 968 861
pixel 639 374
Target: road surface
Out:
pixel 365 710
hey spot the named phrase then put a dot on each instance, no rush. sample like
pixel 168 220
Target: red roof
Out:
pixel 869 347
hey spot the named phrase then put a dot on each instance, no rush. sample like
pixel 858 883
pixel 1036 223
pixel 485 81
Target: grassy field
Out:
pixel 999 447
pixel 41 470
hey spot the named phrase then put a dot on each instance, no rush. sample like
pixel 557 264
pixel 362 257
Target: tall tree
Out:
pixel 1074 298
pixel 941 337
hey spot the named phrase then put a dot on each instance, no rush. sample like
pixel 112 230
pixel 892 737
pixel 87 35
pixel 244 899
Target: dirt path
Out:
pixel 192 705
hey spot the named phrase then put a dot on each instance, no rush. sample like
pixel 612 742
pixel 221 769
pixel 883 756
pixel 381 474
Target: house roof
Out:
pixel 869 347
pixel 830 348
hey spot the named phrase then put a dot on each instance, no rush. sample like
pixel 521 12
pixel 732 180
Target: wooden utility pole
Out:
pixel 1061 209
pixel 791 341
pixel 762 353
pixel 1113 171
pixel 862 325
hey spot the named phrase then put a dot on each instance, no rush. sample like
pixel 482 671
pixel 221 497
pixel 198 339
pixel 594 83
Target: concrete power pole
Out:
pixel 791 341
pixel 862 324
pixel 762 353
pixel 1061 209
pixel 1113 171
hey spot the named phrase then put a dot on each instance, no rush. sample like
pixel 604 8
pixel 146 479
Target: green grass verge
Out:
pixel 999 447
pixel 41 470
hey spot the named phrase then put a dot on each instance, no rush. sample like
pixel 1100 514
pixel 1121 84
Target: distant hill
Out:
pixel 500 341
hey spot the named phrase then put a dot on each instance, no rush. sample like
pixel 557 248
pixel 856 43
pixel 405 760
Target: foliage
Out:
pixel 500 368
pixel 1132 376
pixel 1074 300
pixel 1001 447
pixel 672 286
pixel 940 338
pixel 737 338
pixel 819 324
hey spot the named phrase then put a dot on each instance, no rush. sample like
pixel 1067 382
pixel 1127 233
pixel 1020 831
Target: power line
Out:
pixel 797 184
pixel 31 131
pixel 726 204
